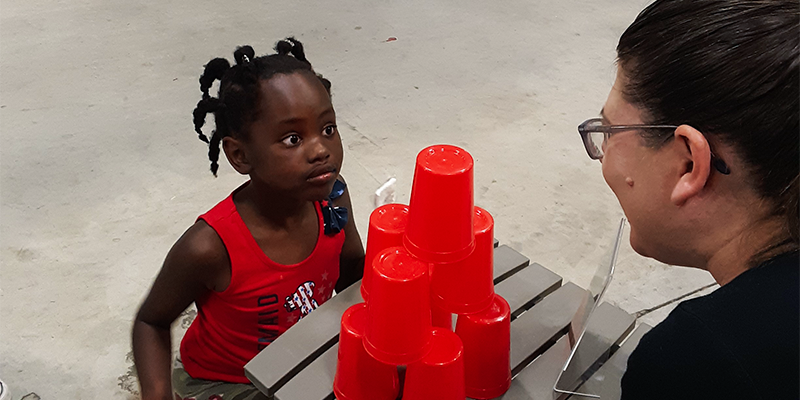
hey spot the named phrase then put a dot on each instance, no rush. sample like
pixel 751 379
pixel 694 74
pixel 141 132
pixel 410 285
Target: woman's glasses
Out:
pixel 595 134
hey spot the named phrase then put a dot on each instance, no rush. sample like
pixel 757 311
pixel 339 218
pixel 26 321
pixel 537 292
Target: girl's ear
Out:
pixel 234 151
pixel 695 164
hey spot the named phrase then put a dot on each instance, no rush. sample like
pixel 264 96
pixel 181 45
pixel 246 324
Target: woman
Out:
pixel 699 142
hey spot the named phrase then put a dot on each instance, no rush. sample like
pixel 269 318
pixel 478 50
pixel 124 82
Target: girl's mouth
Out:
pixel 322 178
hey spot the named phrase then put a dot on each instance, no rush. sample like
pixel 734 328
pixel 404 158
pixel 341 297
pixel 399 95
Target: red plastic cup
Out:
pixel 487 346
pixel 466 286
pixel 441 318
pixel 398 327
pixel 359 376
pixel 440 375
pixel 386 227
pixel 440 219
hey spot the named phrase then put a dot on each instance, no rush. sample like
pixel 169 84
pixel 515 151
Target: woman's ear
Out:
pixel 234 151
pixel 695 164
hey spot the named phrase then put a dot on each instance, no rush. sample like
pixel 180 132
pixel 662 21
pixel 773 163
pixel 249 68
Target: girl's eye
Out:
pixel 291 140
pixel 329 130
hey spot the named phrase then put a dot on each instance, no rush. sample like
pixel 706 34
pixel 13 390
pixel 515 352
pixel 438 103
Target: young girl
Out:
pixel 272 251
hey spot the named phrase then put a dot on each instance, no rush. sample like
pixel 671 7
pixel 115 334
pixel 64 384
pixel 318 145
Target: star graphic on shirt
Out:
pixel 324 276
pixel 292 318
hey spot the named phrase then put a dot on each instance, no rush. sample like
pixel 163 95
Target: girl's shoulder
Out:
pixel 195 264
pixel 201 253
pixel 202 241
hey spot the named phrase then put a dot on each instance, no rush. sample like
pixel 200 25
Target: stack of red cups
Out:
pixel 425 262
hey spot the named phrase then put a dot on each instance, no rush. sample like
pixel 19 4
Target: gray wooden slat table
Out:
pixel 301 364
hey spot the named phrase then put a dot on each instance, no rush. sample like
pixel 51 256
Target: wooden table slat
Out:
pixel 607 328
pixel 308 338
pixel 614 368
pixel 527 287
pixel 534 330
pixel 315 382
pixel 537 379
pixel 507 262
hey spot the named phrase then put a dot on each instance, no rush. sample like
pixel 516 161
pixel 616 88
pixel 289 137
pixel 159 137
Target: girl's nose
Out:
pixel 318 151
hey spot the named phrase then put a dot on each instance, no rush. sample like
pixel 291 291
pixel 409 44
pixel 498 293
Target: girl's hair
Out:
pixel 236 104
pixel 730 69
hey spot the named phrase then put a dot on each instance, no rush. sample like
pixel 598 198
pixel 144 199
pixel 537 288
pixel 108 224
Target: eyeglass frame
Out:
pixel 608 130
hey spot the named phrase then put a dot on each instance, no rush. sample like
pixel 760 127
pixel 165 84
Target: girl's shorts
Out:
pixel 187 388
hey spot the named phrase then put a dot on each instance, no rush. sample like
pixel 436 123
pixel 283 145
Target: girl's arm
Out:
pixel 351 261
pixel 198 262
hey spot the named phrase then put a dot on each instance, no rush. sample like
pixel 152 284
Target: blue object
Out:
pixel 335 218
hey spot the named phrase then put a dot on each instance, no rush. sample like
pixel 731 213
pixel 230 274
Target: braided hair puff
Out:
pixel 293 46
pixel 236 103
pixel 213 71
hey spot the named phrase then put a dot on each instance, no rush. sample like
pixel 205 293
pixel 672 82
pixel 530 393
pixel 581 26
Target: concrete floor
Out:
pixel 101 170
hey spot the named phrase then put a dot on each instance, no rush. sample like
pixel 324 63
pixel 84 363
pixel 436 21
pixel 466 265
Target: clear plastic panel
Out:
pixel 597 288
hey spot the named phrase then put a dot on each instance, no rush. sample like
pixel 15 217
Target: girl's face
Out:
pixel 293 146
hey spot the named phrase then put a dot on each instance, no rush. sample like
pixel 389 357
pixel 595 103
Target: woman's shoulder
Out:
pixel 742 338
pixel 766 295
pixel 682 358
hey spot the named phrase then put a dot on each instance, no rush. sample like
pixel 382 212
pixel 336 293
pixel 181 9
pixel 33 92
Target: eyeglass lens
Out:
pixel 596 140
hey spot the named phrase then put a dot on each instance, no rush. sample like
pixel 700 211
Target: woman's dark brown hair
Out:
pixel 729 68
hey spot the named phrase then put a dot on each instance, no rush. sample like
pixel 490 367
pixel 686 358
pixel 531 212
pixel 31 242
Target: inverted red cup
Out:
pixel 440 218
pixel 387 224
pixel 359 376
pixel 440 375
pixel 441 318
pixel 398 327
pixel 487 345
pixel 466 286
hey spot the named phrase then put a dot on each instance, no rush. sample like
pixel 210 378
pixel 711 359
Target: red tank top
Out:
pixel 263 300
